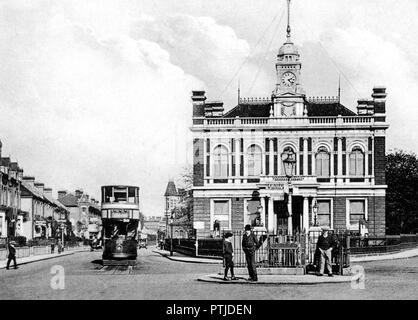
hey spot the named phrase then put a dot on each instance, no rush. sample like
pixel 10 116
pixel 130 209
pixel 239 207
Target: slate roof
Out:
pixel 262 110
pixel 5 162
pixel 28 190
pixel 69 200
pixel 170 190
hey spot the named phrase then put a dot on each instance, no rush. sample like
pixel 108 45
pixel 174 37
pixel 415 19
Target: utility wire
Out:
pixel 332 60
pixel 267 52
pixel 249 55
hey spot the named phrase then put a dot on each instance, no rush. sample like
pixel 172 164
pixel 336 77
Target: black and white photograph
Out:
pixel 223 151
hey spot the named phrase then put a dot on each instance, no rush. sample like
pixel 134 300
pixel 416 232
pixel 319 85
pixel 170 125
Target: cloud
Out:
pixel 87 110
pixel 207 50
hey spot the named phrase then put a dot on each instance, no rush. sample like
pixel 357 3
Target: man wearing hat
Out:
pixel 228 252
pixel 249 245
pixel 325 245
pixel 12 254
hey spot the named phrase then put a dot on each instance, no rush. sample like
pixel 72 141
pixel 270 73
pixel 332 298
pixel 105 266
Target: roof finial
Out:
pixel 339 88
pixel 239 92
pixel 288 19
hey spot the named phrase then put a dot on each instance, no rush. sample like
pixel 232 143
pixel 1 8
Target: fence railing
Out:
pixel 382 245
pixel 274 251
pixel 26 251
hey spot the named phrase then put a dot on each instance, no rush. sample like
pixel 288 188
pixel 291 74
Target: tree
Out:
pixel 402 192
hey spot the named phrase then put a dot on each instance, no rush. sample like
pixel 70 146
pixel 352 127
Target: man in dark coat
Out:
pixel 12 255
pixel 325 244
pixel 250 244
pixel 228 252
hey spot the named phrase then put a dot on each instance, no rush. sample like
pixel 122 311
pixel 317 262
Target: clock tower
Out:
pixel 289 95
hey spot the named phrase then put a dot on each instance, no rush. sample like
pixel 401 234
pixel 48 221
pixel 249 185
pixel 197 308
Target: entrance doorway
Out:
pixel 282 215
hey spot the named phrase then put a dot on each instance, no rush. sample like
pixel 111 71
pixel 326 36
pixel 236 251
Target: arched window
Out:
pixel 357 163
pixel 220 162
pixel 255 159
pixel 285 155
pixel 323 163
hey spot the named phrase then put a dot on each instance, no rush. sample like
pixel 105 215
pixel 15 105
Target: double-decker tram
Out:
pixel 120 220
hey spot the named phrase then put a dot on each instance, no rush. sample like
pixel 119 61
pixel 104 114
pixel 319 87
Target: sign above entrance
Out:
pixel 275 186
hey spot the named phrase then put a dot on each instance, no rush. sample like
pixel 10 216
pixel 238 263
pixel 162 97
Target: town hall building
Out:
pixel 289 163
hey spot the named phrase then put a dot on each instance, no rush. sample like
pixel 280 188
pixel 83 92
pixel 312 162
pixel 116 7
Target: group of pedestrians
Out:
pixel 250 244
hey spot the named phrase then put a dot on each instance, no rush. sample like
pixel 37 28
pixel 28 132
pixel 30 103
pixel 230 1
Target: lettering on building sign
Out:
pixel 275 186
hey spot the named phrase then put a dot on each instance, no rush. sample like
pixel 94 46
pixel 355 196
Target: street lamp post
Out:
pixel 171 237
pixel 315 213
pixel 289 161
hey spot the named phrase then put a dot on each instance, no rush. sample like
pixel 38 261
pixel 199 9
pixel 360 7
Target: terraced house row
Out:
pixel 28 209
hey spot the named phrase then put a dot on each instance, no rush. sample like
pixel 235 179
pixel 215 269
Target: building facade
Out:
pixel 45 217
pixel 84 213
pixel 241 168
pixel 10 205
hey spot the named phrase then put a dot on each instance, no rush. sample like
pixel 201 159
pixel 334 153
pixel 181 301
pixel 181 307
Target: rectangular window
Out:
pixel 241 145
pixel 241 166
pixel 309 165
pixel 301 165
pixel 221 214
pixel 208 145
pixel 267 165
pixel 275 144
pixel 232 145
pixel 233 166
pixel 309 144
pixel 275 164
pixel 335 144
pixel 335 164
pixel 370 144
pixel 344 165
pixel 300 144
pixel 344 144
pixel 370 164
pixel 267 145
pixel 357 211
pixel 324 213
pixel 208 166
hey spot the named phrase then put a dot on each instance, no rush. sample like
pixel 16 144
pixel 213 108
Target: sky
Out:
pixel 97 92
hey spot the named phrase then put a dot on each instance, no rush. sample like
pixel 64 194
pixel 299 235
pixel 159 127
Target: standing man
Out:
pixel 325 245
pixel 12 254
pixel 250 246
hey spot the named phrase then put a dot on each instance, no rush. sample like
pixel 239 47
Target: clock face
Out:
pixel 288 79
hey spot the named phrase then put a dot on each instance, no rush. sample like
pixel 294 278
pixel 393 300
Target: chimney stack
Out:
pixel 40 186
pixel 198 99
pixel 29 180
pixel 61 193
pixel 379 100
pixel 78 193
pixel 48 192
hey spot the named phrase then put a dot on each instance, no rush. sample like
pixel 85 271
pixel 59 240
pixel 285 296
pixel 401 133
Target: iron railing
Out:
pixel 274 251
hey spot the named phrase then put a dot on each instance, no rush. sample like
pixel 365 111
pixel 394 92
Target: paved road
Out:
pixel 156 277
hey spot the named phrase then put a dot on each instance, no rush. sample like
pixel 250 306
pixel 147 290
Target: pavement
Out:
pixel 381 257
pixel 158 278
pixel 183 258
pixel 360 258
pixel 279 279
pixel 36 258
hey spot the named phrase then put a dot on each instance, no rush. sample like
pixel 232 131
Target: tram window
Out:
pixel 120 195
pixel 131 195
pixel 118 229
pixel 107 194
